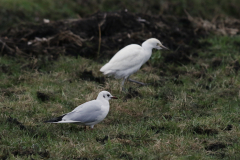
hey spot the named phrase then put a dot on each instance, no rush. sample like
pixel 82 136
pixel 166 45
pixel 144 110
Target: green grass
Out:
pixel 192 116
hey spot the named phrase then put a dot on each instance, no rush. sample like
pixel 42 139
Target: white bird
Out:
pixel 89 113
pixel 129 59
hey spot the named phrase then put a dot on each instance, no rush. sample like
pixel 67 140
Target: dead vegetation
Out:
pixel 80 37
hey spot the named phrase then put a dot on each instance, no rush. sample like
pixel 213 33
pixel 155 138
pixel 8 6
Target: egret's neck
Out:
pixel 147 47
pixel 147 51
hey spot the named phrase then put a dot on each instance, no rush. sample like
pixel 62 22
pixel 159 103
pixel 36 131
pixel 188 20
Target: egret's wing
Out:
pixel 85 113
pixel 126 58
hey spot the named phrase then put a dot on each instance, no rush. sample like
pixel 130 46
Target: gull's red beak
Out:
pixel 114 97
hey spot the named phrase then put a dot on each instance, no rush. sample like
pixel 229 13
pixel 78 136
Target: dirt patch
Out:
pixel 218 26
pixel 88 76
pixel 9 92
pixel 122 138
pixel 229 92
pixel 203 105
pixel 31 131
pixel 80 37
pixel 16 122
pixel 132 93
pixel 235 65
pixel 126 156
pixel 176 80
pixel 118 136
pixel 75 128
pixel 205 86
pixel 83 158
pixel 102 140
pixel 215 146
pixel 228 128
pixel 172 78
pixel 5 69
pixel 167 116
pixel 165 94
pixel 43 96
pixel 157 129
pixel 199 74
pixel 180 56
pixel 29 152
pixel 204 130
pixel 216 62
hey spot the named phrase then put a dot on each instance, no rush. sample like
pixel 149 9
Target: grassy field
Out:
pixel 189 111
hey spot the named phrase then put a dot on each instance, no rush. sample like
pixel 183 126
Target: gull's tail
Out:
pixel 55 120
pixel 60 120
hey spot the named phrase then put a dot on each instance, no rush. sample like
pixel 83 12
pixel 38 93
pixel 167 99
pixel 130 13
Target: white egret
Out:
pixel 89 113
pixel 129 60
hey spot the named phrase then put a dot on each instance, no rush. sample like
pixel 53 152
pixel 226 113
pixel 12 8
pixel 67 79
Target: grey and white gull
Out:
pixel 89 113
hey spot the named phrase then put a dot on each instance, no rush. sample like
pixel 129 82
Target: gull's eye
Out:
pixel 103 96
pixel 108 95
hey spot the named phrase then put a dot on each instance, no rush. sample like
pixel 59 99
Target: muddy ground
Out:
pixel 101 35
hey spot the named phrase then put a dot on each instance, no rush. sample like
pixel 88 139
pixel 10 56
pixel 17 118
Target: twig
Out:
pixel 99 40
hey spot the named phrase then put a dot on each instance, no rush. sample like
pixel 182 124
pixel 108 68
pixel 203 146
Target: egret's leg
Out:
pixel 131 80
pixel 122 88
pixel 124 79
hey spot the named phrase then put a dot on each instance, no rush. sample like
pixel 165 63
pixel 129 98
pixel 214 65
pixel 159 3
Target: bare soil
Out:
pixel 81 37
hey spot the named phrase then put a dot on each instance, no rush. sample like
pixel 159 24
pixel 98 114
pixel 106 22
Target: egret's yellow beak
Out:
pixel 163 46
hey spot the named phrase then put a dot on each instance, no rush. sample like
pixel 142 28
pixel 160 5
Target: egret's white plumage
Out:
pixel 89 113
pixel 130 59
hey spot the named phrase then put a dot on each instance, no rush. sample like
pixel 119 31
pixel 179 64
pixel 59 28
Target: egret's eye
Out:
pixel 103 96
pixel 108 95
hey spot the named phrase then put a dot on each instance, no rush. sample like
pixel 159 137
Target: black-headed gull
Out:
pixel 89 113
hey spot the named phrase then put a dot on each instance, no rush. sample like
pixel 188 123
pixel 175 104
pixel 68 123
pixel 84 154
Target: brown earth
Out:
pixel 103 34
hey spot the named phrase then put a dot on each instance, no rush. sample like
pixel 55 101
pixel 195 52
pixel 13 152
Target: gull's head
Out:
pixel 153 43
pixel 105 95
